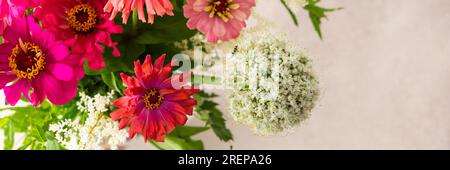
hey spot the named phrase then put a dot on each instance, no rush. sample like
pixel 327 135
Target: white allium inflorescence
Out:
pixel 98 131
pixel 273 86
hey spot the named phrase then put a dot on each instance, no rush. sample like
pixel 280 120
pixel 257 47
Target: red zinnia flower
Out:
pixel 152 106
pixel 83 25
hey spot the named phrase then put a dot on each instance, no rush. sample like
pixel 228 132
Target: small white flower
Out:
pixel 97 132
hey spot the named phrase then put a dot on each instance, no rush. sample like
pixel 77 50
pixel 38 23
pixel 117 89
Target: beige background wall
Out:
pixel 384 67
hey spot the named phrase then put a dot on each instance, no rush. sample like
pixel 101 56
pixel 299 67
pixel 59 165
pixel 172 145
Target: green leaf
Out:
pixel 207 111
pixel 26 143
pixel 9 136
pixel 112 81
pixel 34 122
pixel 178 5
pixel 129 52
pixel 92 85
pixel 180 139
pixel 91 72
pixel 217 122
pixel 52 145
pixel 37 134
pixel 20 118
pixel 67 111
pixel 165 30
pixel 177 143
pixel 291 13
pixel 37 146
pixel 4 122
pixel 187 131
pixel 316 14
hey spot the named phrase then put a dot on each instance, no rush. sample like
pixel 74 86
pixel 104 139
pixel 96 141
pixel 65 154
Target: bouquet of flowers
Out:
pixel 93 74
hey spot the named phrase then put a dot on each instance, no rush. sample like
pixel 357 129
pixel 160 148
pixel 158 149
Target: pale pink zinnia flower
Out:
pixel 153 7
pixel 218 19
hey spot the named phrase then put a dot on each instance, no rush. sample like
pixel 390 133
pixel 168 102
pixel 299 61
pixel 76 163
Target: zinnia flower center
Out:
pixel 82 18
pixel 27 60
pixel 152 99
pixel 221 8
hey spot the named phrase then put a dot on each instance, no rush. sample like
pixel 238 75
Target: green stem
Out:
pixel 291 13
pixel 134 23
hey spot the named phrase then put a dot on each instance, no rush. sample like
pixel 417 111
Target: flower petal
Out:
pixel 61 71
pixel 12 92
pixel 59 51
pixel 59 92
pixel 5 79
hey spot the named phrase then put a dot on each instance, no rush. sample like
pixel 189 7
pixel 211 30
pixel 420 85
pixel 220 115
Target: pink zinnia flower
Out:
pixel 152 106
pixel 32 59
pixel 153 7
pixel 13 8
pixel 218 19
pixel 82 25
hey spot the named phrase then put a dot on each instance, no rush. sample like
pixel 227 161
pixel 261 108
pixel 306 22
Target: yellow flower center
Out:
pixel 221 8
pixel 27 60
pixel 152 99
pixel 82 18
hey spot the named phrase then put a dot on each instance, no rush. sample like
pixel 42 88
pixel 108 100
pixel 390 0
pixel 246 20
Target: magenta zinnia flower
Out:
pixel 152 106
pixel 218 19
pixel 32 61
pixel 153 7
pixel 82 25
pixel 13 8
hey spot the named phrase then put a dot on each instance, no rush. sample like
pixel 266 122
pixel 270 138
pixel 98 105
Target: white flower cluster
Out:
pixel 98 131
pixel 96 104
pixel 273 87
